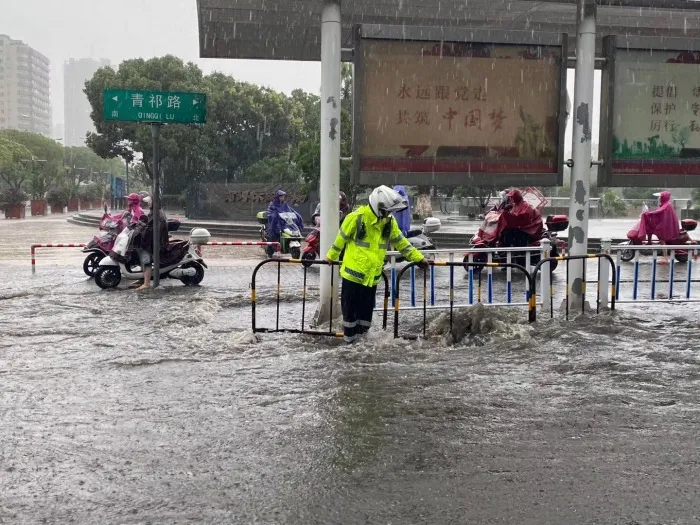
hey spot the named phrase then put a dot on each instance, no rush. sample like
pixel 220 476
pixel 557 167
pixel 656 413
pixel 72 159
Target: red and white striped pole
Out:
pixel 51 245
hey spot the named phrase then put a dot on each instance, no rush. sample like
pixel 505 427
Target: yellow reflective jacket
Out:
pixel 366 239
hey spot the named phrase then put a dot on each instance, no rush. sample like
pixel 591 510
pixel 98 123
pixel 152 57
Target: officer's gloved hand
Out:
pixel 424 263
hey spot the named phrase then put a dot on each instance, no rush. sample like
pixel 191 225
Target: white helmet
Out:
pixel 384 201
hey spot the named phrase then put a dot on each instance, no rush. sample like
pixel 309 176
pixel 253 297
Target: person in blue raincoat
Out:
pixel 403 218
pixel 275 224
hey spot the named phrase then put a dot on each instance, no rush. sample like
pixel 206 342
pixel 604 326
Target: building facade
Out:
pixel 76 107
pixel 25 102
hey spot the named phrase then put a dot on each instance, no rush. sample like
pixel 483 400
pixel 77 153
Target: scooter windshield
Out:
pixel 289 217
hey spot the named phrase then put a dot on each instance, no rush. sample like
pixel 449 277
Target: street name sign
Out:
pixel 155 106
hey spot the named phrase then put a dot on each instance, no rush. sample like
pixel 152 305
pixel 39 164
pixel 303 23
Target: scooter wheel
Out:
pixel 108 277
pixel 681 257
pixel 477 258
pixel 91 263
pixel 626 255
pixel 307 258
pixel 193 280
pixel 295 253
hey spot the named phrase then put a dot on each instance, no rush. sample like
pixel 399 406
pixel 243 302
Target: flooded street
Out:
pixel 163 408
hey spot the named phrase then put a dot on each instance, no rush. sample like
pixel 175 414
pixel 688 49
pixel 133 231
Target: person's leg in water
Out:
pixel 365 308
pixel 349 301
pixel 145 259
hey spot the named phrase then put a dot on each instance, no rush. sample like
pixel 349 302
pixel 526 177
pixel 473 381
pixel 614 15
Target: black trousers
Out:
pixel 357 302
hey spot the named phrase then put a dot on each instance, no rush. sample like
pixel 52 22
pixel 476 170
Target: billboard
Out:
pixel 650 113
pixel 440 111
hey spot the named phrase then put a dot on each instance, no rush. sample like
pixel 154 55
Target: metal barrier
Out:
pixel 530 250
pixel 277 328
pixel 531 300
pixel 51 245
pixel 602 289
pixel 654 280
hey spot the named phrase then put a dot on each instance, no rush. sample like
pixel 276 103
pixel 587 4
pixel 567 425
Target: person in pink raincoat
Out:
pixel 134 206
pixel 662 222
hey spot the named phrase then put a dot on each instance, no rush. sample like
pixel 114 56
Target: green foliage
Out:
pixel 36 163
pixel 611 205
pixel 272 168
pixel 480 195
pixel 12 171
pixel 12 197
pixel 58 196
pixel 90 192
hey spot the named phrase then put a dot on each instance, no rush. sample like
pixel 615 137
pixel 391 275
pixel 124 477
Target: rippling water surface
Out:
pixel 163 407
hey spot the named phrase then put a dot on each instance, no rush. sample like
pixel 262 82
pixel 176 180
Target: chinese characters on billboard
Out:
pixel 655 118
pixel 456 113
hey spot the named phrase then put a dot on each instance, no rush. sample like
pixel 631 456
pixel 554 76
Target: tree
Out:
pixel 278 169
pixel 611 205
pixel 40 164
pixel 131 139
pixel 12 171
pixel 481 195
pixel 245 123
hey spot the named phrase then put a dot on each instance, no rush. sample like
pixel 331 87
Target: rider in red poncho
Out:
pixel 514 221
pixel 662 222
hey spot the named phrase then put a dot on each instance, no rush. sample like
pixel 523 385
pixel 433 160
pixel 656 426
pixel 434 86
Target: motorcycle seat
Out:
pixel 414 233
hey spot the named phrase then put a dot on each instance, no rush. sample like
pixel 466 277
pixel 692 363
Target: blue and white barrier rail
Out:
pixel 673 260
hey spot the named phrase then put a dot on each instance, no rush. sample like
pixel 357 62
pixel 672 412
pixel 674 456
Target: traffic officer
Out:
pixel 366 235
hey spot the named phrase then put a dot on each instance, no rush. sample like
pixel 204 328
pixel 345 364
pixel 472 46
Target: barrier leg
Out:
pixel 689 277
pixel 654 263
pixel 604 275
pixel 432 285
pixel 528 267
pixel 509 277
pixel 618 272
pixel 635 284
pixel 425 300
pixel 303 300
pixel 452 291
pixel 279 272
pixel 671 271
pixel 393 280
pixel 413 285
pixel 567 288
pixel 33 258
pixel 489 281
pixel 546 277
pixel 471 280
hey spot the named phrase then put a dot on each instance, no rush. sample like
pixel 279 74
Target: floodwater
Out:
pixel 163 408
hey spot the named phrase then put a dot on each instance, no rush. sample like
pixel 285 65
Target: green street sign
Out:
pixel 155 106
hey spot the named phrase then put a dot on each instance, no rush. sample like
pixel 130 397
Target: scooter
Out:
pixel 313 244
pixel 516 238
pixel 419 237
pixel 102 243
pixel 179 260
pixel 290 238
pixel 687 225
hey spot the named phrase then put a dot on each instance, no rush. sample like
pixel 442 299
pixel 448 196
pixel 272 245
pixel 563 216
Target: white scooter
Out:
pixel 180 260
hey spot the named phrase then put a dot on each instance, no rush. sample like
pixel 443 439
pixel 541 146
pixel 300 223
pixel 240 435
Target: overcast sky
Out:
pixel 118 30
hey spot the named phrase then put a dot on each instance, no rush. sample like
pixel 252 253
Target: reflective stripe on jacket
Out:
pixel 366 239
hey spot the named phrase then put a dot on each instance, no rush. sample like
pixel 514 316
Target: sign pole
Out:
pixel 330 149
pixel 581 148
pixel 155 134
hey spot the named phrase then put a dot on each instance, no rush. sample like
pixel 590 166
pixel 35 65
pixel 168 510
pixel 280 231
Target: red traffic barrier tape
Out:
pixel 51 245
